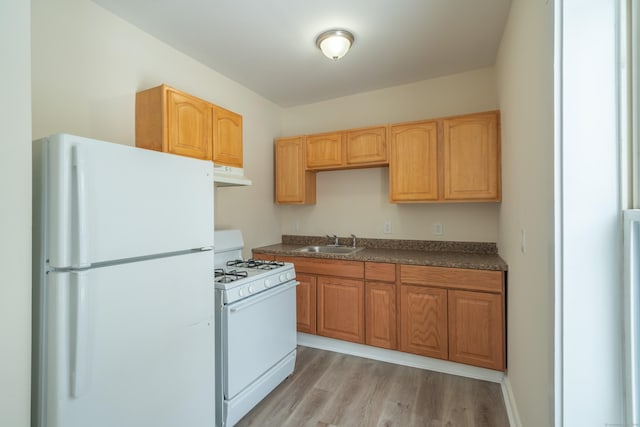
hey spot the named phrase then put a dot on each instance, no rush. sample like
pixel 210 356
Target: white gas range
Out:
pixel 239 279
pixel 255 327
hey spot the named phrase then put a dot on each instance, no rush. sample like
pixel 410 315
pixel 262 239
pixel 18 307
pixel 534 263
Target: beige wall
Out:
pixel 15 214
pixel 525 86
pixel 88 65
pixel 86 85
pixel 357 201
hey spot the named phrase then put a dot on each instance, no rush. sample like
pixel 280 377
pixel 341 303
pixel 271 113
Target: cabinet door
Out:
pixel 188 126
pixel 227 137
pixel 294 185
pixel 306 303
pixel 380 314
pixel 324 150
pixel 423 321
pixel 340 308
pixel 471 157
pixel 413 165
pixel 367 146
pixel 476 329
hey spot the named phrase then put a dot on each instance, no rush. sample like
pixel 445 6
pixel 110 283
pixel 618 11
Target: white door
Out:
pixel 109 202
pixel 130 345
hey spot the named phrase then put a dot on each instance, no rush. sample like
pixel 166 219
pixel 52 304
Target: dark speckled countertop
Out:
pixel 473 255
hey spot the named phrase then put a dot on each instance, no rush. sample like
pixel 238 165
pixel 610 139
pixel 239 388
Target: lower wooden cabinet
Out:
pixel 458 308
pixel 265 257
pixel 423 321
pixel 380 314
pixel 476 329
pixel 447 313
pixel 306 303
pixel 380 304
pixel 340 308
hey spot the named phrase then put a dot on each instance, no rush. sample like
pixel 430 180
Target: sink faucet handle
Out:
pixel 334 238
pixel 353 240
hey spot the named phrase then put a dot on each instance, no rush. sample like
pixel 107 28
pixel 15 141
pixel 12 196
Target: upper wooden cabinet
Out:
pixel 354 148
pixel 227 137
pixel 413 167
pixel 460 162
pixel 452 159
pixel 175 122
pixel 294 184
pixel 324 150
pixel 367 146
pixel 471 158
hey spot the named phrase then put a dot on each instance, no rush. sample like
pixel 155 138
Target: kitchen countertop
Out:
pixel 472 255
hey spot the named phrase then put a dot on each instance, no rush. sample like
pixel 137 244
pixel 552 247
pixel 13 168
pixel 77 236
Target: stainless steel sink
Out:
pixel 344 250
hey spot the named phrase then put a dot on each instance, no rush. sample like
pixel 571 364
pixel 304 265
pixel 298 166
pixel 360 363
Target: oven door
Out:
pixel 257 333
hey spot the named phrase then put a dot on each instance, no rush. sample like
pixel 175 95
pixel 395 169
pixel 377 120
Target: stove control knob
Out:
pixel 241 292
pixel 282 278
pixel 289 275
pixel 267 283
pixel 250 289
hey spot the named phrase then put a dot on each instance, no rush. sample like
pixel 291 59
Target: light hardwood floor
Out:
pixel 334 389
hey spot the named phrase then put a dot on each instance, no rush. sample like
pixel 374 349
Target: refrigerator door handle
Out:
pixel 81 232
pixel 80 325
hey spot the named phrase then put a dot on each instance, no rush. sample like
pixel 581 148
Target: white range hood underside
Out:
pixel 226 176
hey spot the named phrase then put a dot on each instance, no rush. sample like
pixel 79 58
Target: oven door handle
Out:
pixel 234 308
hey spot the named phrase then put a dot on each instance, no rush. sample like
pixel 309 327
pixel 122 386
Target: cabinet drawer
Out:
pixel 265 257
pixel 380 271
pixel 454 278
pixel 327 267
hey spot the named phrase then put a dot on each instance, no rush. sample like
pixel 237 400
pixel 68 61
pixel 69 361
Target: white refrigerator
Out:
pixel 122 286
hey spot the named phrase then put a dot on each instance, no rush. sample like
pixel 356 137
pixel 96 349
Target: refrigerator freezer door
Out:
pixel 130 345
pixel 108 202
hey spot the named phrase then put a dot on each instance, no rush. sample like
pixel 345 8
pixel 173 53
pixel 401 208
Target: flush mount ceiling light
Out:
pixel 334 43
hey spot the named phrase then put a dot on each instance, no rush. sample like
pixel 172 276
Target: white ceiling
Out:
pixel 269 46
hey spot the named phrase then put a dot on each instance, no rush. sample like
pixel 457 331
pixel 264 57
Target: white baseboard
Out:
pixel 510 403
pixel 414 361
pixel 400 358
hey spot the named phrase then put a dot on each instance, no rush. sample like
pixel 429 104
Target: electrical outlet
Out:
pixel 387 227
pixel 437 229
pixel 523 240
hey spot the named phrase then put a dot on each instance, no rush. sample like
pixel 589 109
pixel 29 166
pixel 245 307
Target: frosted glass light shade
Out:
pixel 335 44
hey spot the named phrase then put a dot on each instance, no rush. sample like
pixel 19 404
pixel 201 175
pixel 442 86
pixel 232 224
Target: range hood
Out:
pixel 227 176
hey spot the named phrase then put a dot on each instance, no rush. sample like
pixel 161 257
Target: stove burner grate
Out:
pixel 256 264
pixel 223 276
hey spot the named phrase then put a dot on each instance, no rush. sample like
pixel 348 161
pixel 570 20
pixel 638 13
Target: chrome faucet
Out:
pixel 353 240
pixel 335 240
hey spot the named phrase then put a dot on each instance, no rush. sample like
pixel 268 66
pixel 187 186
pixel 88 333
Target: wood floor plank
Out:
pixel 330 389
